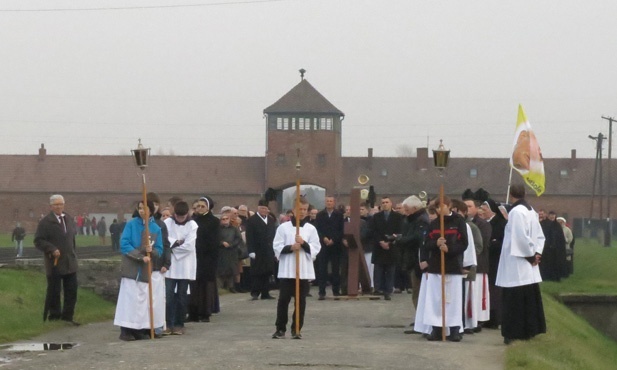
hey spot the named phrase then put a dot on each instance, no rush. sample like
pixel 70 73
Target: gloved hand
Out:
pixel 252 256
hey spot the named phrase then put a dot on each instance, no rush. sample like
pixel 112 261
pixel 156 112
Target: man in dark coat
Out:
pixel 413 234
pixel 203 290
pixel 385 226
pixel 260 231
pixel 330 225
pixel 55 237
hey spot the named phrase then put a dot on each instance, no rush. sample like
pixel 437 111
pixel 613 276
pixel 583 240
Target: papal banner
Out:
pixel 526 156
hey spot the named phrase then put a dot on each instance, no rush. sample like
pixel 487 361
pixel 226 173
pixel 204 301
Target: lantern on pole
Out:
pixel 141 160
pixel 440 159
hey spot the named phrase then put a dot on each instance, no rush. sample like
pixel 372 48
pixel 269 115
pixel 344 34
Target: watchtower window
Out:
pixel 321 160
pixel 280 159
pixel 325 124
pixel 282 123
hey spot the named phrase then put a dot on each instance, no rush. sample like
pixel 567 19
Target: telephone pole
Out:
pixel 609 228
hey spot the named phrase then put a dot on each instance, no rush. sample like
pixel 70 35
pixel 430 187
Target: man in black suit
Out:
pixel 385 226
pixel 55 237
pixel 330 226
pixel 260 231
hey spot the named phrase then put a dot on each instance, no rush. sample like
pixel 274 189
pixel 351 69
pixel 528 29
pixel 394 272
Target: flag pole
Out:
pixel 297 214
pixel 509 184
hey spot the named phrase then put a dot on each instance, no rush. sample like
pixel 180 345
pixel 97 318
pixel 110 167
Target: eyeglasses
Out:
pixel 201 206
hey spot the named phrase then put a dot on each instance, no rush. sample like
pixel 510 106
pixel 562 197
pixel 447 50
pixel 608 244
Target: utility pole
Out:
pixel 597 172
pixel 609 220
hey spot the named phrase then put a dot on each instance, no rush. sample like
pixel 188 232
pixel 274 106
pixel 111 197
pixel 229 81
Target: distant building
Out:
pixel 301 119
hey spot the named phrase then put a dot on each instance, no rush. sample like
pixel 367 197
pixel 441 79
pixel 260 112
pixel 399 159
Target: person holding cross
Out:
pixel 287 242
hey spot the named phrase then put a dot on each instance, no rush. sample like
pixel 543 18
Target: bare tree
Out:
pixel 405 150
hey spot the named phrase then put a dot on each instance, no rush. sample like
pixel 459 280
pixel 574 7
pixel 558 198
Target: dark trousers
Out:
pixel 329 254
pixel 261 285
pixel 384 277
pixel 287 289
pixel 176 302
pixel 55 284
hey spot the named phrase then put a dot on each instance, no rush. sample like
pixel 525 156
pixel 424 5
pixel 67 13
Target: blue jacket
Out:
pixel 132 251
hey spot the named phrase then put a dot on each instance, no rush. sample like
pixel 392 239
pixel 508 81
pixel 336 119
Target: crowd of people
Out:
pixel 493 258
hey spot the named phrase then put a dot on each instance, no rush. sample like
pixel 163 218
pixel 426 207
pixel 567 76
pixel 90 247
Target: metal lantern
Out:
pixel 141 155
pixel 441 156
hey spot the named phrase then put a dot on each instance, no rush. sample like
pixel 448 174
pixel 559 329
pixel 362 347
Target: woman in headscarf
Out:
pixel 204 294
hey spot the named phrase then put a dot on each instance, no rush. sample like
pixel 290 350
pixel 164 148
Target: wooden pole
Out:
pixel 443 268
pixel 297 213
pixel 145 243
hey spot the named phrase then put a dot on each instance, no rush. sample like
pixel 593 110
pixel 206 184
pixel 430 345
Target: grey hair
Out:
pixel 55 197
pixel 225 209
pixel 413 202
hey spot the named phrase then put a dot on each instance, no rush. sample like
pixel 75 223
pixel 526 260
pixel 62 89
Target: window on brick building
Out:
pixel 280 159
pixel 321 160
pixel 473 173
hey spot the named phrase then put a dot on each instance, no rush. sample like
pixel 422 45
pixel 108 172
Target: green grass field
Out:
pixel 23 298
pixel 81 240
pixel 570 342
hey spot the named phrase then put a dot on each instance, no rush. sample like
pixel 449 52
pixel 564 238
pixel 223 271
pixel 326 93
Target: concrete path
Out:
pixel 337 334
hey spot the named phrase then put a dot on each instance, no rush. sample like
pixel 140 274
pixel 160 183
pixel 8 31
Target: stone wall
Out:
pixel 99 275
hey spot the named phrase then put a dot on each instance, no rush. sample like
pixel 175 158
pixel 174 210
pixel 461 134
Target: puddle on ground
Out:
pixel 34 347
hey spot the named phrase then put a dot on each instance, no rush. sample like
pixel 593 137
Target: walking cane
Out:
pixel 443 268
pixel 297 213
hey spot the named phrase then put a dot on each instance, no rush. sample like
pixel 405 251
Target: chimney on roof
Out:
pixel 370 158
pixel 422 159
pixel 42 152
pixel 573 154
pixel 573 159
pixel 302 72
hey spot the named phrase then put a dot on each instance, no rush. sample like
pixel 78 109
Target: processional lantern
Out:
pixel 441 156
pixel 141 155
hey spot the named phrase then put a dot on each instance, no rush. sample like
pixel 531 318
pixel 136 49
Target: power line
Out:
pixel 145 7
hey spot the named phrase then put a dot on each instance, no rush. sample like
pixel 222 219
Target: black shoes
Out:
pixel 267 297
pixel 387 297
pixel 322 297
pixel 126 337
pixel 435 334
pixel 254 297
pixel 295 335
pixel 71 322
pixel 279 334
pixel 454 336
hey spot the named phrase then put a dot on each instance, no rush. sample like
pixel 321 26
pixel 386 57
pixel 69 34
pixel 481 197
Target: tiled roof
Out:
pixel 303 98
pixel 401 176
pixel 118 174
pixel 246 175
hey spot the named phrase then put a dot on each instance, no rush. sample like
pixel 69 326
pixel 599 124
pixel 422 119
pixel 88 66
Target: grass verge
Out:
pixel 23 298
pixel 570 342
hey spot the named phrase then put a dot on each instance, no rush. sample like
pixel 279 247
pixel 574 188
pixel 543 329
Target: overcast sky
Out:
pixel 194 80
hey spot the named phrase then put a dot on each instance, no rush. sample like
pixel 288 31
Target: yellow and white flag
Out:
pixel 526 156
